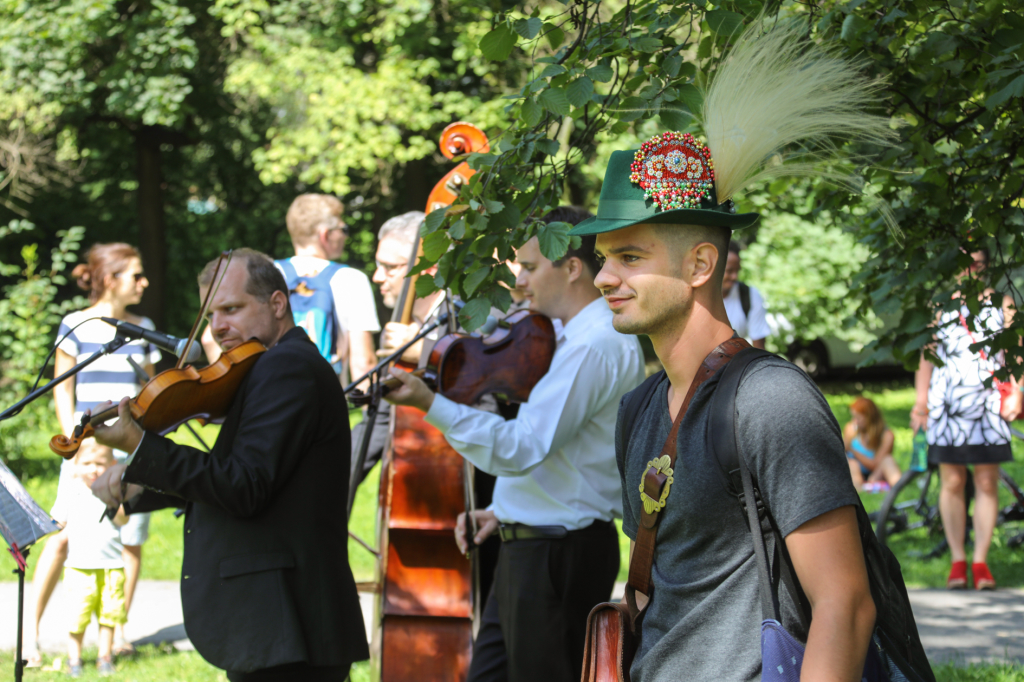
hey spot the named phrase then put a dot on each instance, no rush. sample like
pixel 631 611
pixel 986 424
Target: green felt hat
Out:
pixel 625 202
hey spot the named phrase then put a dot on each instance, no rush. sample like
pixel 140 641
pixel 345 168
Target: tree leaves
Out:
pixel 497 44
pixel 475 279
pixel 530 112
pixel 579 91
pixel 555 101
pixel 1014 89
pixel 602 73
pixel 554 240
pixel 632 108
pixel 528 28
pixel 475 313
pixel 724 22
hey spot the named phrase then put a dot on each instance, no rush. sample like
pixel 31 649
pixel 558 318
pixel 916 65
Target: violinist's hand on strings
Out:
pixel 124 434
pixel 486 524
pixel 414 392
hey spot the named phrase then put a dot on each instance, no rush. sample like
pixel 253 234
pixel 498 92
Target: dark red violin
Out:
pixel 509 362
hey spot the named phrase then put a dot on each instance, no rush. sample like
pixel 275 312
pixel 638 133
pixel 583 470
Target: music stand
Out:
pixel 22 523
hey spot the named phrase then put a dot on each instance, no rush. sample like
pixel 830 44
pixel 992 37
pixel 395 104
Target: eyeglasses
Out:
pixel 344 229
pixel 137 276
pixel 390 268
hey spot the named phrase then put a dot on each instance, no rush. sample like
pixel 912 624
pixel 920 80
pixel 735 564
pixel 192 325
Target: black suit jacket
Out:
pixel 265 577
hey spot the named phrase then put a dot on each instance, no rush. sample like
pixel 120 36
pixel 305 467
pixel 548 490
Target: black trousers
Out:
pixel 534 622
pixel 293 672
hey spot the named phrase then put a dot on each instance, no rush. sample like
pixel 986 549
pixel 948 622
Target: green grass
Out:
pixel 151 664
pixel 979 672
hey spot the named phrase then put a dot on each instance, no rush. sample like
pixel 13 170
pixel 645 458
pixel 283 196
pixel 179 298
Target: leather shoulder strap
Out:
pixel 657 481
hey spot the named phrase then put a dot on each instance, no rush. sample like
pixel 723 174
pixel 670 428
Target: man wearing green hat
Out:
pixel 664 237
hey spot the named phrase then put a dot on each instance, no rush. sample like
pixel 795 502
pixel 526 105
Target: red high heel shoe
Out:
pixel 983 579
pixel 957 579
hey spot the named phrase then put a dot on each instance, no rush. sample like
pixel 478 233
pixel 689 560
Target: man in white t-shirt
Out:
pixel 318 235
pixel 743 303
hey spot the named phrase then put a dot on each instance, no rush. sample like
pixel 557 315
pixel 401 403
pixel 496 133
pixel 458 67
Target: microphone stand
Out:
pixel 106 349
pixel 373 408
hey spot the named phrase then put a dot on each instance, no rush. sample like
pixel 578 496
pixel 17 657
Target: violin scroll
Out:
pixel 67 446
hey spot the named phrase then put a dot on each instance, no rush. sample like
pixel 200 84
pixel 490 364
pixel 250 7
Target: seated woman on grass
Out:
pixel 869 445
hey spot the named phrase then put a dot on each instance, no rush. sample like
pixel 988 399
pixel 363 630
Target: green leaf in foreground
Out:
pixel 602 73
pixel 555 101
pixel 632 108
pixel 432 221
pixel 554 240
pixel 497 44
pixel 530 112
pixel 579 91
pixel 724 22
pixel 474 279
pixel 474 313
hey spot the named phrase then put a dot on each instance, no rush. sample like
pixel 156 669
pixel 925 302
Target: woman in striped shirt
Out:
pixel 114 278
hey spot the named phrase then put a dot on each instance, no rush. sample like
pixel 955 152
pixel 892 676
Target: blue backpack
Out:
pixel 313 305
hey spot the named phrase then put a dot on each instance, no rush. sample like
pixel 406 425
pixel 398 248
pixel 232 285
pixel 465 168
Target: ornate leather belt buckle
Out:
pixel 662 466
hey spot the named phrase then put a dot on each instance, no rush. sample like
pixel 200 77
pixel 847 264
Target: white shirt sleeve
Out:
pixel 757 325
pixel 353 299
pixel 561 403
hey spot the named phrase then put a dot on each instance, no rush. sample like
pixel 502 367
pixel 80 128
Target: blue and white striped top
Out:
pixel 110 377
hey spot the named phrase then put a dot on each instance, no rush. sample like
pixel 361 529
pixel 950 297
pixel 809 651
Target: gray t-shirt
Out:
pixel 704 619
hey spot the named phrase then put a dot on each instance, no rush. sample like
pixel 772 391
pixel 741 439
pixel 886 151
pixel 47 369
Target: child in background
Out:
pixel 94 570
pixel 869 447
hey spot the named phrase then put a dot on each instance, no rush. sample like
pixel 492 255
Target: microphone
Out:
pixel 171 344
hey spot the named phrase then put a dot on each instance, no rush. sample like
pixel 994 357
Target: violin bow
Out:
pixel 218 277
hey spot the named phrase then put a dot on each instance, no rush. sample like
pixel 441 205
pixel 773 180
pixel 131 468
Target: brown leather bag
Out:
pixel 611 644
pixel 613 628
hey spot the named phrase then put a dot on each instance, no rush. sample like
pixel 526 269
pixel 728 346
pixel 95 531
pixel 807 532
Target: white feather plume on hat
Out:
pixel 778 92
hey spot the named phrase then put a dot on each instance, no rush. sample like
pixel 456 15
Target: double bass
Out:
pixel 426 600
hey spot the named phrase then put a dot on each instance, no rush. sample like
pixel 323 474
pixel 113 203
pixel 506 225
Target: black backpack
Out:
pixel 895 627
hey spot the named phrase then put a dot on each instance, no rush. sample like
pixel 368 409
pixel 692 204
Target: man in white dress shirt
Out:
pixel 558 487
pixel 743 303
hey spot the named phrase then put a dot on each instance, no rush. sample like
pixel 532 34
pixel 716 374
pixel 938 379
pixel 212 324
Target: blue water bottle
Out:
pixel 919 457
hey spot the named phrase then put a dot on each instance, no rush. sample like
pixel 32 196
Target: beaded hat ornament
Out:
pixel 674 170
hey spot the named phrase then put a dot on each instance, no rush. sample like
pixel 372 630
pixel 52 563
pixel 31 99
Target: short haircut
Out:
pixel 264 277
pixel 405 228
pixel 682 238
pixel 734 247
pixel 309 212
pixel 585 252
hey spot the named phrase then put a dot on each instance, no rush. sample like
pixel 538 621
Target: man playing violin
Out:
pixel 267 592
pixel 557 491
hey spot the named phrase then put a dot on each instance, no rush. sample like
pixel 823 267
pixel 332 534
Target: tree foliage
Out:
pixel 956 76
pixel 265 100
pixel 30 312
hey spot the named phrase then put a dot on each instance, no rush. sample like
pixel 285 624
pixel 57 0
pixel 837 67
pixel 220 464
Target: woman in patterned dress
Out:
pixel 966 425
